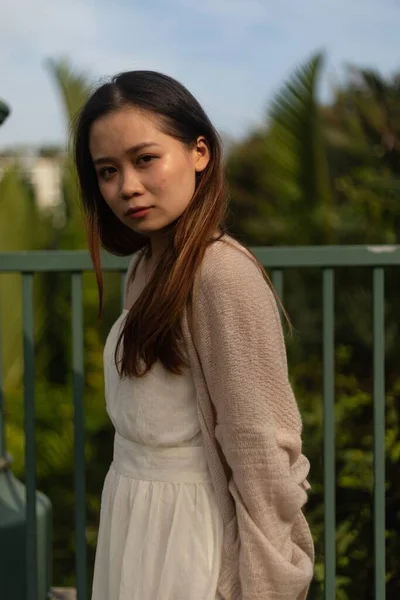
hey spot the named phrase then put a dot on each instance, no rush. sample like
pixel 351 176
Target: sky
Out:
pixel 233 55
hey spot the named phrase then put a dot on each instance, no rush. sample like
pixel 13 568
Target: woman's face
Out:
pixel 145 176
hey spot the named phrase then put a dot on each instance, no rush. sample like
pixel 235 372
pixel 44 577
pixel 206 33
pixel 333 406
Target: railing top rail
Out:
pixel 272 257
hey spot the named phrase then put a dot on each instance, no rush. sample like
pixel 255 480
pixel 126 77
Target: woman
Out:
pixel 204 496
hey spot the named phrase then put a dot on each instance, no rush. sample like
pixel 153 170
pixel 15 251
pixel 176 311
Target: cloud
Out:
pixel 46 23
pixel 240 11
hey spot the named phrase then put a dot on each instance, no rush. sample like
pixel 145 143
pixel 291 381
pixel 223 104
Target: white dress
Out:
pixel 160 535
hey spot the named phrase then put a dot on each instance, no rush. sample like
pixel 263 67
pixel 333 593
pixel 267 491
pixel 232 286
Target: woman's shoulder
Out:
pixel 232 283
pixel 228 262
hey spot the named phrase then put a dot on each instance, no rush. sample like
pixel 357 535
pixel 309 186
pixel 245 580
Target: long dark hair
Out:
pixel 152 329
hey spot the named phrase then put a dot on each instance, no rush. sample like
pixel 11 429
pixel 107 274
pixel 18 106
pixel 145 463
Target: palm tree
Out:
pixel 282 169
pixel 297 153
pixel 73 88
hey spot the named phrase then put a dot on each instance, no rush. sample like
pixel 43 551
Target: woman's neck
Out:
pixel 158 242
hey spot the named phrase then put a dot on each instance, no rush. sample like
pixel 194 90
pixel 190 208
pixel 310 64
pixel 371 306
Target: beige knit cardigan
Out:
pixel 251 428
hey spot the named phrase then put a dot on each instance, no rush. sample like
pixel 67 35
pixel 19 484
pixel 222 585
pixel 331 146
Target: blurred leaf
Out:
pixel 4 111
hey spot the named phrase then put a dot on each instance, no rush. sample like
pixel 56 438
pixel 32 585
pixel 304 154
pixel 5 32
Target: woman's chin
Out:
pixel 148 228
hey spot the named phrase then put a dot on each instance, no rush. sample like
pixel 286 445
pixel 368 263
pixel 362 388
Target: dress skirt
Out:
pixel 161 531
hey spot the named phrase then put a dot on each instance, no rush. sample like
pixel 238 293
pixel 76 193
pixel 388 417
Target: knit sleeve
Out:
pixel 240 344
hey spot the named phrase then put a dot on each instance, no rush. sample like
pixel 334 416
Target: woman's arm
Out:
pixel 240 344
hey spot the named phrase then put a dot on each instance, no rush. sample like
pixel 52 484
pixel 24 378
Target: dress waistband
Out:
pixel 180 464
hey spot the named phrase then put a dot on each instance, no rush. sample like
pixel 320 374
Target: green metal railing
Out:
pixel 275 259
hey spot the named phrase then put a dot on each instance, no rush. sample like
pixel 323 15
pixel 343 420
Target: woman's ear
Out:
pixel 201 154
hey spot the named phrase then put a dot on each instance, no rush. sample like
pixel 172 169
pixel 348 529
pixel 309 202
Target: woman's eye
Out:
pixel 145 159
pixel 106 172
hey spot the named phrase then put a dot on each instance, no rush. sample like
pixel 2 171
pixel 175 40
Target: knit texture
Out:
pixel 251 428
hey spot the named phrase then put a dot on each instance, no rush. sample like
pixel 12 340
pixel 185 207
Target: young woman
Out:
pixel 204 496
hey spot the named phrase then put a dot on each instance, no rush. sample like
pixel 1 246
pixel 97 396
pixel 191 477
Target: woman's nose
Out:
pixel 130 185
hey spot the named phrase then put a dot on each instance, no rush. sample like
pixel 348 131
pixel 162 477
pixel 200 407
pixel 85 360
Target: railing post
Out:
pixel 79 446
pixel 379 432
pixel 30 438
pixel 329 433
pixel 2 419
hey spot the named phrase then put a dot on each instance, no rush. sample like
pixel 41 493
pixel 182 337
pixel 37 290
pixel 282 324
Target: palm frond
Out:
pixel 73 86
pixel 297 148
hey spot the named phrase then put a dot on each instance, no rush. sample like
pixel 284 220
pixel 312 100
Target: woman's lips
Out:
pixel 136 213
